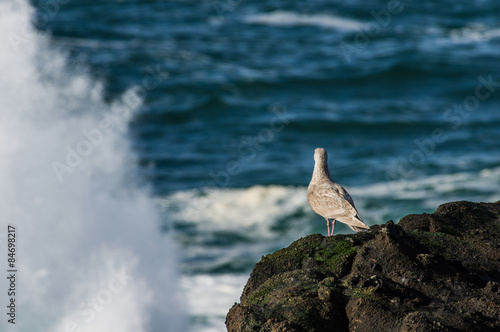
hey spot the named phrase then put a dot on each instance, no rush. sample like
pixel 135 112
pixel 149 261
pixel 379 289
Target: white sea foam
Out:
pixel 285 18
pixel 474 33
pixel 436 189
pixel 251 210
pixel 90 253
pixel 210 297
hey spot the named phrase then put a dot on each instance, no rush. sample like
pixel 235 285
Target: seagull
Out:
pixel 329 199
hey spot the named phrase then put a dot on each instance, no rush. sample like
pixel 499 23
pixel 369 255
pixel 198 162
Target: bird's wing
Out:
pixel 327 199
pixel 355 222
pixel 331 200
pixel 346 196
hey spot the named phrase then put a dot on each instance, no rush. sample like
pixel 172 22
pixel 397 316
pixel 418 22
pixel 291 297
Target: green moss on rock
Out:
pixel 335 256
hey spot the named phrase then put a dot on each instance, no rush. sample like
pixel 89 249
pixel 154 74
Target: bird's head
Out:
pixel 320 155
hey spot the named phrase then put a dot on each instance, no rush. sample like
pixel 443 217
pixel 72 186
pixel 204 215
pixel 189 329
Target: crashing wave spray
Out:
pixel 90 255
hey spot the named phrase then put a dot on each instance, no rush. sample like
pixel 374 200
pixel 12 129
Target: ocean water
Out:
pixel 153 151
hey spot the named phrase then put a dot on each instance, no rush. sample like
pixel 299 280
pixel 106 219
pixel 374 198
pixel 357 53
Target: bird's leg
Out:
pixel 333 227
pixel 328 226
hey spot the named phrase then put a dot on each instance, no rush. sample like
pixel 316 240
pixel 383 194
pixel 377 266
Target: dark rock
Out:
pixel 430 272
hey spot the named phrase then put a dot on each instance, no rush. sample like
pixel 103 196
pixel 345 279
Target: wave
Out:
pixel 92 257
pixel 438 189
pixel 474 33
pixel 233 209
pixel 285 18
pixel 210 297
pixel 267 212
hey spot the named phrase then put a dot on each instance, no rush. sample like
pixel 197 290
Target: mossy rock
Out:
pixel 330 256
pixel 437 271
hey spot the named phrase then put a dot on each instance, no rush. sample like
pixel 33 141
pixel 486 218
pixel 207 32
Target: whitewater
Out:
pixel 90 256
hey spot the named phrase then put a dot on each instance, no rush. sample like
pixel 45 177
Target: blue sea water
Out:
pixel 173 140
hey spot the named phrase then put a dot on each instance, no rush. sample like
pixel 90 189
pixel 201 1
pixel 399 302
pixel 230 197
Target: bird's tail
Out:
pixel 359 224
pixel 359 228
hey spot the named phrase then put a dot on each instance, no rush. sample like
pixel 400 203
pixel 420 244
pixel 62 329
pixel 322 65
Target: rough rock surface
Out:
pixel 430 272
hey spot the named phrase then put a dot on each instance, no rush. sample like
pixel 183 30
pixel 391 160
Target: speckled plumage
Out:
pixel 329 199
